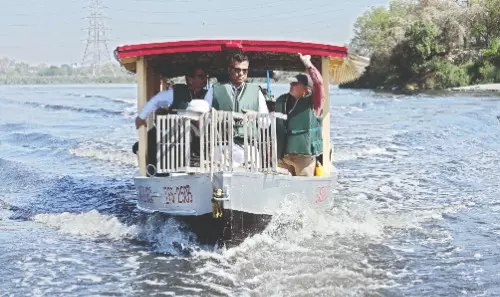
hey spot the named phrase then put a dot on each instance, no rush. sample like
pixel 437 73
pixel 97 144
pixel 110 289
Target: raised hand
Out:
pixel 306 60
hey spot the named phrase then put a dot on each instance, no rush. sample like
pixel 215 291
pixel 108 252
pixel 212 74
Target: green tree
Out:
pixel 493 52
pixel 437 47
pixel 485 21
pixel 409 56
pixel 371 31
pixel 422 42
pixel 380 29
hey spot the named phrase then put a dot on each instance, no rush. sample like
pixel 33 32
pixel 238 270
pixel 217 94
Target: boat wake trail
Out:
pixel 105 152
pixel 89 224
pixel 100 111
pixel 303 246
pixel 163 234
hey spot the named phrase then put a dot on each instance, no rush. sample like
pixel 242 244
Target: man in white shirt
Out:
pixel 178 96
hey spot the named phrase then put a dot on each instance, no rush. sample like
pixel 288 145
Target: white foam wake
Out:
pixel 341 154
pixel 89 150
pixel 167 235
pixel 88 224
pixel 125 100
pixel 302 245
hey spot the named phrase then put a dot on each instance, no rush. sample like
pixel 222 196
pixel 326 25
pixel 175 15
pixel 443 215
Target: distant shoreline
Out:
pixel 478 88
pixel 65 80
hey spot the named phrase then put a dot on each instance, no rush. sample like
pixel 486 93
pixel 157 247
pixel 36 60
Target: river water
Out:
pixel 415 213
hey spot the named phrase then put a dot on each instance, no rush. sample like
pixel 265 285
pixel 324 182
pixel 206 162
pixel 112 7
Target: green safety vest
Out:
pixel 301 132
pixel 224 100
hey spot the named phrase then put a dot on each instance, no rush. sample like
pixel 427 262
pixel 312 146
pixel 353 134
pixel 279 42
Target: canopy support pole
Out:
pixel 327 163
pixel 142 97
pixel 153 88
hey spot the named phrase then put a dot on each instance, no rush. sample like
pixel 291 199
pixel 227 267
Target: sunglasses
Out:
pixel 239 70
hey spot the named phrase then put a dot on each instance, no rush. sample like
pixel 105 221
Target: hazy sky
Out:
pixel 54 31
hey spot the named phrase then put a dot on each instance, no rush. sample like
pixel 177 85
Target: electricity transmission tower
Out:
pixel 96 51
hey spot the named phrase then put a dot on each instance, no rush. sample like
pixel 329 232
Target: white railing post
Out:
pixel 203 136
pixel 274 156
pixel 159 150
pixel 187 143
pixel 325 132
pixel 231 139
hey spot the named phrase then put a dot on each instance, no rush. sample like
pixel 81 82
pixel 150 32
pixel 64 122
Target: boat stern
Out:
pixel 180 195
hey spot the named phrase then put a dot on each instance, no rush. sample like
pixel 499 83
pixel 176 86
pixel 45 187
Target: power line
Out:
pixel 96 48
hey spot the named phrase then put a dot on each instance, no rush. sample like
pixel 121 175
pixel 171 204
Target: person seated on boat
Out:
pixel 193 111
pixel 178 96
pixel 239 96
pixel 248 96
pixel 299 137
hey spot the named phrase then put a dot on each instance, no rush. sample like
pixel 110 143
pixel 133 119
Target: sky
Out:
pixel 55 31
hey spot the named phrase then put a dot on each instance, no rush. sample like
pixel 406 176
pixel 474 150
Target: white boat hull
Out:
pixel 253 193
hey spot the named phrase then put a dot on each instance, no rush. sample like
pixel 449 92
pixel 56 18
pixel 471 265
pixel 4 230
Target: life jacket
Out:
pixel 183 95
pixel 224 100
pixel 301 132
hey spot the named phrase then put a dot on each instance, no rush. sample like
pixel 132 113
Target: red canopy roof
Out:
pixel 171 58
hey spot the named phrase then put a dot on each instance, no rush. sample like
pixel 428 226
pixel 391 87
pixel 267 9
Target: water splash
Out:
pixel 89 224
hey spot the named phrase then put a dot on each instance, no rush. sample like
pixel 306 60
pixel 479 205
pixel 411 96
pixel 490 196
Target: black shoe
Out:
pixel 135 147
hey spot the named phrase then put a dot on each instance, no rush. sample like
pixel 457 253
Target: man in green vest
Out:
pixel 239 96
pixel 178 96
pixel 236 94
pixel 299 137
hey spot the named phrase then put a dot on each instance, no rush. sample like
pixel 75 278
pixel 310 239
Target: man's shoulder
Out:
pixel 164 93
pixel 219 85
pixel 252 86
pixel 308 98
pixel 180 86
pixel 282 97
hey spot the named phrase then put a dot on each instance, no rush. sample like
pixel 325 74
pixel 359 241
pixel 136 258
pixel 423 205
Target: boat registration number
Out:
pixel 172 195
pixel 178 195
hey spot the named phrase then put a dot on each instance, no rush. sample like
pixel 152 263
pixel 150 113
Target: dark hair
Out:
pixel 237 57
pixel 222 78
pixel 191 70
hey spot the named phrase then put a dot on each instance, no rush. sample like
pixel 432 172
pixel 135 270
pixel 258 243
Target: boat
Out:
pixel 220 201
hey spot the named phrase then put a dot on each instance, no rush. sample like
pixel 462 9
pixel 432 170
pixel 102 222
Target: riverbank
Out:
pixel 478 88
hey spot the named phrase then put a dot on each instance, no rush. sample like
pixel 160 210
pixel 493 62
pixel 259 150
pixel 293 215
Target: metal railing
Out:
pixel 217 141
pixel 173 143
